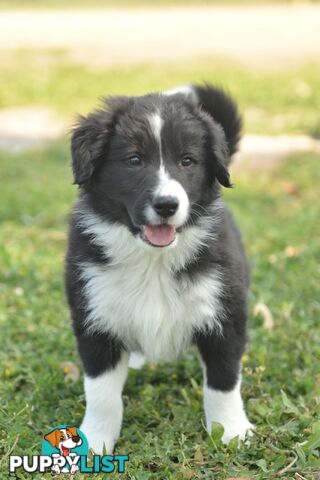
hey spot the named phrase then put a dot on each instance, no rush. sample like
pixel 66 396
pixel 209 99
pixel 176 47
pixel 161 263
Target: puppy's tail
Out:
pixel 223 110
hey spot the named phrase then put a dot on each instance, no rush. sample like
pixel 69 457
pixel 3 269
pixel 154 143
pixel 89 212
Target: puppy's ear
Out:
pixel 52 438
pixel 221 156
pixel 87 144
pixel 218 151
pixel 91 136
pixel 224 111
pixel 72 430
pixel 225 128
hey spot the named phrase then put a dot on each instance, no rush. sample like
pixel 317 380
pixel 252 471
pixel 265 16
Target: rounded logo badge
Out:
pixel 67 442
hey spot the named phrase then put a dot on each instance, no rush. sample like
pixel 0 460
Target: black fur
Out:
pixel 224 111
pixel 205 126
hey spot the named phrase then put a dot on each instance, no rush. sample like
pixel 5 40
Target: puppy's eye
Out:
pixel 134 161
pixel 187 162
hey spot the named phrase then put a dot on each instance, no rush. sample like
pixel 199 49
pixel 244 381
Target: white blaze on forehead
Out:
pixel 156 124
pixel 167 186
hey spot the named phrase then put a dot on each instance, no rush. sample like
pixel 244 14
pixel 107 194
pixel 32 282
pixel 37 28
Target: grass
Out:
pixel 163 433
pixel 279 215
pixel 274 102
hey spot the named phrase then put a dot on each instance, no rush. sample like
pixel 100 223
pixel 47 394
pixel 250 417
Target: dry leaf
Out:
pixel 290 188
pixel 187 473
pixel 71 371
pixel 238 478
pixel 262 309
pixel 198 457
pixel 291 251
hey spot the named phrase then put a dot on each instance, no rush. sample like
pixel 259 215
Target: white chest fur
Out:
pixel 139 299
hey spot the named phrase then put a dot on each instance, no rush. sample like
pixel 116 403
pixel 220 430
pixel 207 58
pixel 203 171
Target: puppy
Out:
pixel 155 261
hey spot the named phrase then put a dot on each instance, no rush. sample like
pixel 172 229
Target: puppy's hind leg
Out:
pixel 222 379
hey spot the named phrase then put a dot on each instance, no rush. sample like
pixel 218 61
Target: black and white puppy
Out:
pixel 155 261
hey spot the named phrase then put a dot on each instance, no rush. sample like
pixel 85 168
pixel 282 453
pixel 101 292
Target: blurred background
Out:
pixel 57 58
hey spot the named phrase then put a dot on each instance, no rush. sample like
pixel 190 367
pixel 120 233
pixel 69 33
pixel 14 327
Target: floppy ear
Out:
pixel 220 160
pixel 52 438
pixel 221 155
pixel 72 430
pixel 87 144
pixel 90 137
pixel 224 111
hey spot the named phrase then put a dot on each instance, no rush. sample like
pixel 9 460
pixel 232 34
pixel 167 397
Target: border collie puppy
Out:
pixel 155 260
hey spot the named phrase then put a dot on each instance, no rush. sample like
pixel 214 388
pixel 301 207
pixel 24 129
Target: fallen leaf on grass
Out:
pixel 71 371
pixel 198 457
pixel 290 188
pixel 262 309
pixel 291 251
pixel 187 473
pixel 238 478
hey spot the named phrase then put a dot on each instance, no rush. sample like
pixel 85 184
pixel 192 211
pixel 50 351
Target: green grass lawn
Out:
pixel 285 101
pixel 163 431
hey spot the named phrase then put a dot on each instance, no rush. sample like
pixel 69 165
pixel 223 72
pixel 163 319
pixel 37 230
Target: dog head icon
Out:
pixel 64 439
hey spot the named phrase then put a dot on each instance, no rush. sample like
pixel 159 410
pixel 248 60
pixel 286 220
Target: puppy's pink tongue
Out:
pixel 160 235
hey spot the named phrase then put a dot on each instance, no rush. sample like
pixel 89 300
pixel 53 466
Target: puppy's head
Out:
pixel 153 163
pixel 66 438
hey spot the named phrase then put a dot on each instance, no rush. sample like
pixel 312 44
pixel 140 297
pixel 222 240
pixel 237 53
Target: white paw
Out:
pixel 227 409
pixel 239 429
pixel 99 439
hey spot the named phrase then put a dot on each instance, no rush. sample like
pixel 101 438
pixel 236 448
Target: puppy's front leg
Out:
pixel 106 365
pixel 222 379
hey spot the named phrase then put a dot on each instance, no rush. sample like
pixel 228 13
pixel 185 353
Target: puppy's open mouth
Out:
pixel 65 451
pixel 159 235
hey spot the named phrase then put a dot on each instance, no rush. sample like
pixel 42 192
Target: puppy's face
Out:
pixel 64 439
pixel 154 162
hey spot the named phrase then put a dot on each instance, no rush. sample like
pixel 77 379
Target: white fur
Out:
pixel 68 443
pixel 103 417
pixel 137 297
pixel 227 409
pixel 184 89
pixel 167 186
pixel 136 360
pixel 156 123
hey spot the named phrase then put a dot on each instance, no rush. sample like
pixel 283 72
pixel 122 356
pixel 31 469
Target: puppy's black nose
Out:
pixel 165 206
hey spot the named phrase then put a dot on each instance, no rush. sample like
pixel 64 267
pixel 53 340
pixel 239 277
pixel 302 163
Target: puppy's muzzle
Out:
pixel 165 206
